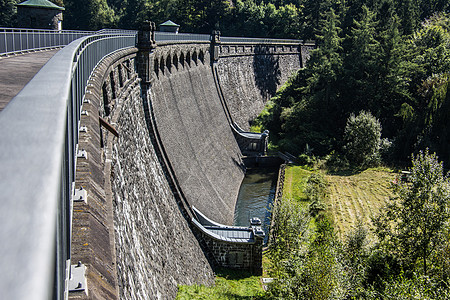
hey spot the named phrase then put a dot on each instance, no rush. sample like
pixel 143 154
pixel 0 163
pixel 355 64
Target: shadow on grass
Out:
pixel 230 274
pixel 345 172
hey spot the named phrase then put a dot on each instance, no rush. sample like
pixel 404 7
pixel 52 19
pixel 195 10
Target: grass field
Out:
pixel 350 197
pixel 295 182
pixel 358 196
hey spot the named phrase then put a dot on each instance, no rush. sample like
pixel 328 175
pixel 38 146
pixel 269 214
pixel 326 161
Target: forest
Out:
pixel 389 59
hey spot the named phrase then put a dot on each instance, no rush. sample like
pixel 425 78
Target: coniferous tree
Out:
pixel 361 63
pixel 7 13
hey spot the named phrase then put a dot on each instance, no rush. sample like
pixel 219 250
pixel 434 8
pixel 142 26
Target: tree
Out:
pixel 413 226
pixel 363 139
pixel 360 63
pixel 89 15
pixel 7 13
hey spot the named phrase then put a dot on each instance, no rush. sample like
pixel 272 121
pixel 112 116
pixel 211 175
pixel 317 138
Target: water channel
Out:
pixel 255 197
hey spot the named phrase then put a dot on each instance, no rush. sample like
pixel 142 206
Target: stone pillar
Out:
pixel 264 141
pixel 146 44
pixel 215 42
pixel 259 235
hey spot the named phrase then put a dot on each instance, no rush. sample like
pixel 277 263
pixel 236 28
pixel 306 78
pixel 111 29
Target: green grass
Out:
pixel 357 197
pixel 229 285
pixel 295 182
pixel 351 196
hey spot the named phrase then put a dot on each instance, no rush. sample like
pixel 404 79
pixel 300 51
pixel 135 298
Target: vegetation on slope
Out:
pixel 357 197
pixel 369 58
pixel 404 255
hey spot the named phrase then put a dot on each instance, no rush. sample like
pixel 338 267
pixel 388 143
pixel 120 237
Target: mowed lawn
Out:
pixel 350 197
pixel 358 196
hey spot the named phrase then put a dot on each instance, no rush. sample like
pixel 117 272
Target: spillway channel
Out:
pixel 255 197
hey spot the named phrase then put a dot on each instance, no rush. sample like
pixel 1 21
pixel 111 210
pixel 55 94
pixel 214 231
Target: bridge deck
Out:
pixel 17 71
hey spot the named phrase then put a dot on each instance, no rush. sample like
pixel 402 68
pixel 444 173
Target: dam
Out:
pixel 161 147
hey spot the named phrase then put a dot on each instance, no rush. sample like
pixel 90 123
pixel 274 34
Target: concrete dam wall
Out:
pixel 163 144
pixel 195 131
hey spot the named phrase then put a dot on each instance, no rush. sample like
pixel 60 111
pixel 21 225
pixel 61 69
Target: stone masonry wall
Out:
pixel 156 250
pixel 194 129
pixel 249 75
pixel 150 249
pixel 246 256
pixel 93 227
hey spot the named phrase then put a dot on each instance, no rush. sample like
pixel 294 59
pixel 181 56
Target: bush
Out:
pixel 363 139
pixel 336 162
pixel 316 192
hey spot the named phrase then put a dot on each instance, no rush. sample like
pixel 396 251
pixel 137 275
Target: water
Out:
pixel 255 197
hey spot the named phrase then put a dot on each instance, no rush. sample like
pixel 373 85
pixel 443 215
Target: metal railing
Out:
pixel 225 39
pixel 38 153
pixel 19 40
pixel 173 37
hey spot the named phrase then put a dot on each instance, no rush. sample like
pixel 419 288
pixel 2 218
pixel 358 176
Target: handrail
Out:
pixel 226 39
pixel 38 150
pixel 19 40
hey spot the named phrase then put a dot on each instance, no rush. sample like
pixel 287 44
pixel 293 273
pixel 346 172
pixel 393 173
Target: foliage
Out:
pixel 377 56
pixel 312 263
pixel 323 268
pixel 415 288
pixel 89 15
pixel 362 139
pixel 289 233
pixel 413 227
pixel 316 192
pixel 7 13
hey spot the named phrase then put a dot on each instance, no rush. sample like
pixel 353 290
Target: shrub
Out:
pixel 362 139
pixel 316 192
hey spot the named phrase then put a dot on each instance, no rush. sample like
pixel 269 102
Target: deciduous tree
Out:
pixel 413 226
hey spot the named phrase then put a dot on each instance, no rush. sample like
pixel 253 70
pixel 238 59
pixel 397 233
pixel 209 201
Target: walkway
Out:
pixel 17 71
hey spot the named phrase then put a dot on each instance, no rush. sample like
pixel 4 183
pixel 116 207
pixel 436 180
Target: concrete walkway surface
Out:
pixel 16 71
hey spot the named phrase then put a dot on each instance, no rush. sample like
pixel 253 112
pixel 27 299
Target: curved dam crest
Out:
pixel 173 148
